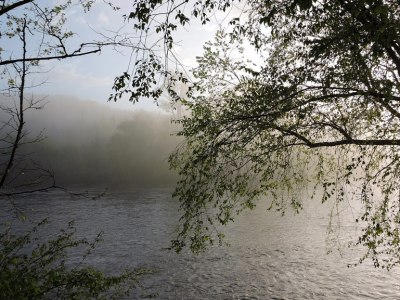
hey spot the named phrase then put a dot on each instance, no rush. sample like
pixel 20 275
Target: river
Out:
pixel 269 257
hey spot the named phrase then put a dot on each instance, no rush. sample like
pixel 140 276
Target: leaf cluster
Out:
pixel 321 112
pixel 35 269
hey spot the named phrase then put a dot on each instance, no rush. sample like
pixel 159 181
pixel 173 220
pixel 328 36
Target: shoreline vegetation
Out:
pixel 89 148
pixel 37 266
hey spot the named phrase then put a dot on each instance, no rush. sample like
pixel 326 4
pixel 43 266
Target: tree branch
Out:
pixel 18 137
pixel 394 58
pixel 6 9
pixel 311 144
pixel 17 60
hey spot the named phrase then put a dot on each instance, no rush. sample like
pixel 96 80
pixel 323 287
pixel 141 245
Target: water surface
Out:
pixel 270 257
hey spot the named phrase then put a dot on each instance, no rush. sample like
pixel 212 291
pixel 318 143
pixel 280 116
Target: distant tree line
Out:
pixel 92 145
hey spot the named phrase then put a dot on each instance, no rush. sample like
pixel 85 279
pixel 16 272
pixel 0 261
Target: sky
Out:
pixel 91 77
pixel 82 132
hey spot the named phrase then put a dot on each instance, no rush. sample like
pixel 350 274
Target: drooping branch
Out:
pixel 6 9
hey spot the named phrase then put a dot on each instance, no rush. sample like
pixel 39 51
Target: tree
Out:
pixel 33 32
pixel 45 272
pixel 33 268
pixel 319 105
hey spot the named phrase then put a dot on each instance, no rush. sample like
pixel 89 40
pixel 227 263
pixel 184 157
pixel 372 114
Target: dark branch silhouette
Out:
pixel 6 9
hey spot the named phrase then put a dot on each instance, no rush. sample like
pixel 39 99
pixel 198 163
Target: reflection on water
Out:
pixel 270 257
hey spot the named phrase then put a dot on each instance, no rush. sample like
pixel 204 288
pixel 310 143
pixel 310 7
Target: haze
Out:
pixel 90 144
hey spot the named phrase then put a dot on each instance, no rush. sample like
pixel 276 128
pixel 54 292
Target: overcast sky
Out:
pixel 91 77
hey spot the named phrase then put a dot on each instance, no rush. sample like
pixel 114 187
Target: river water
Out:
pixel 269 257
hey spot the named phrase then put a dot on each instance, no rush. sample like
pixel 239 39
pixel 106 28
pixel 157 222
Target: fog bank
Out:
pixel 87 143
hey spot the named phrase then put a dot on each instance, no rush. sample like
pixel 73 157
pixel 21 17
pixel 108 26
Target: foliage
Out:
pixel 31 33
pixel 35 269
pixel 157 70
pixel 319 106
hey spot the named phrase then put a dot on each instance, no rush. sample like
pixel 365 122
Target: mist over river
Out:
pixel 269 257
